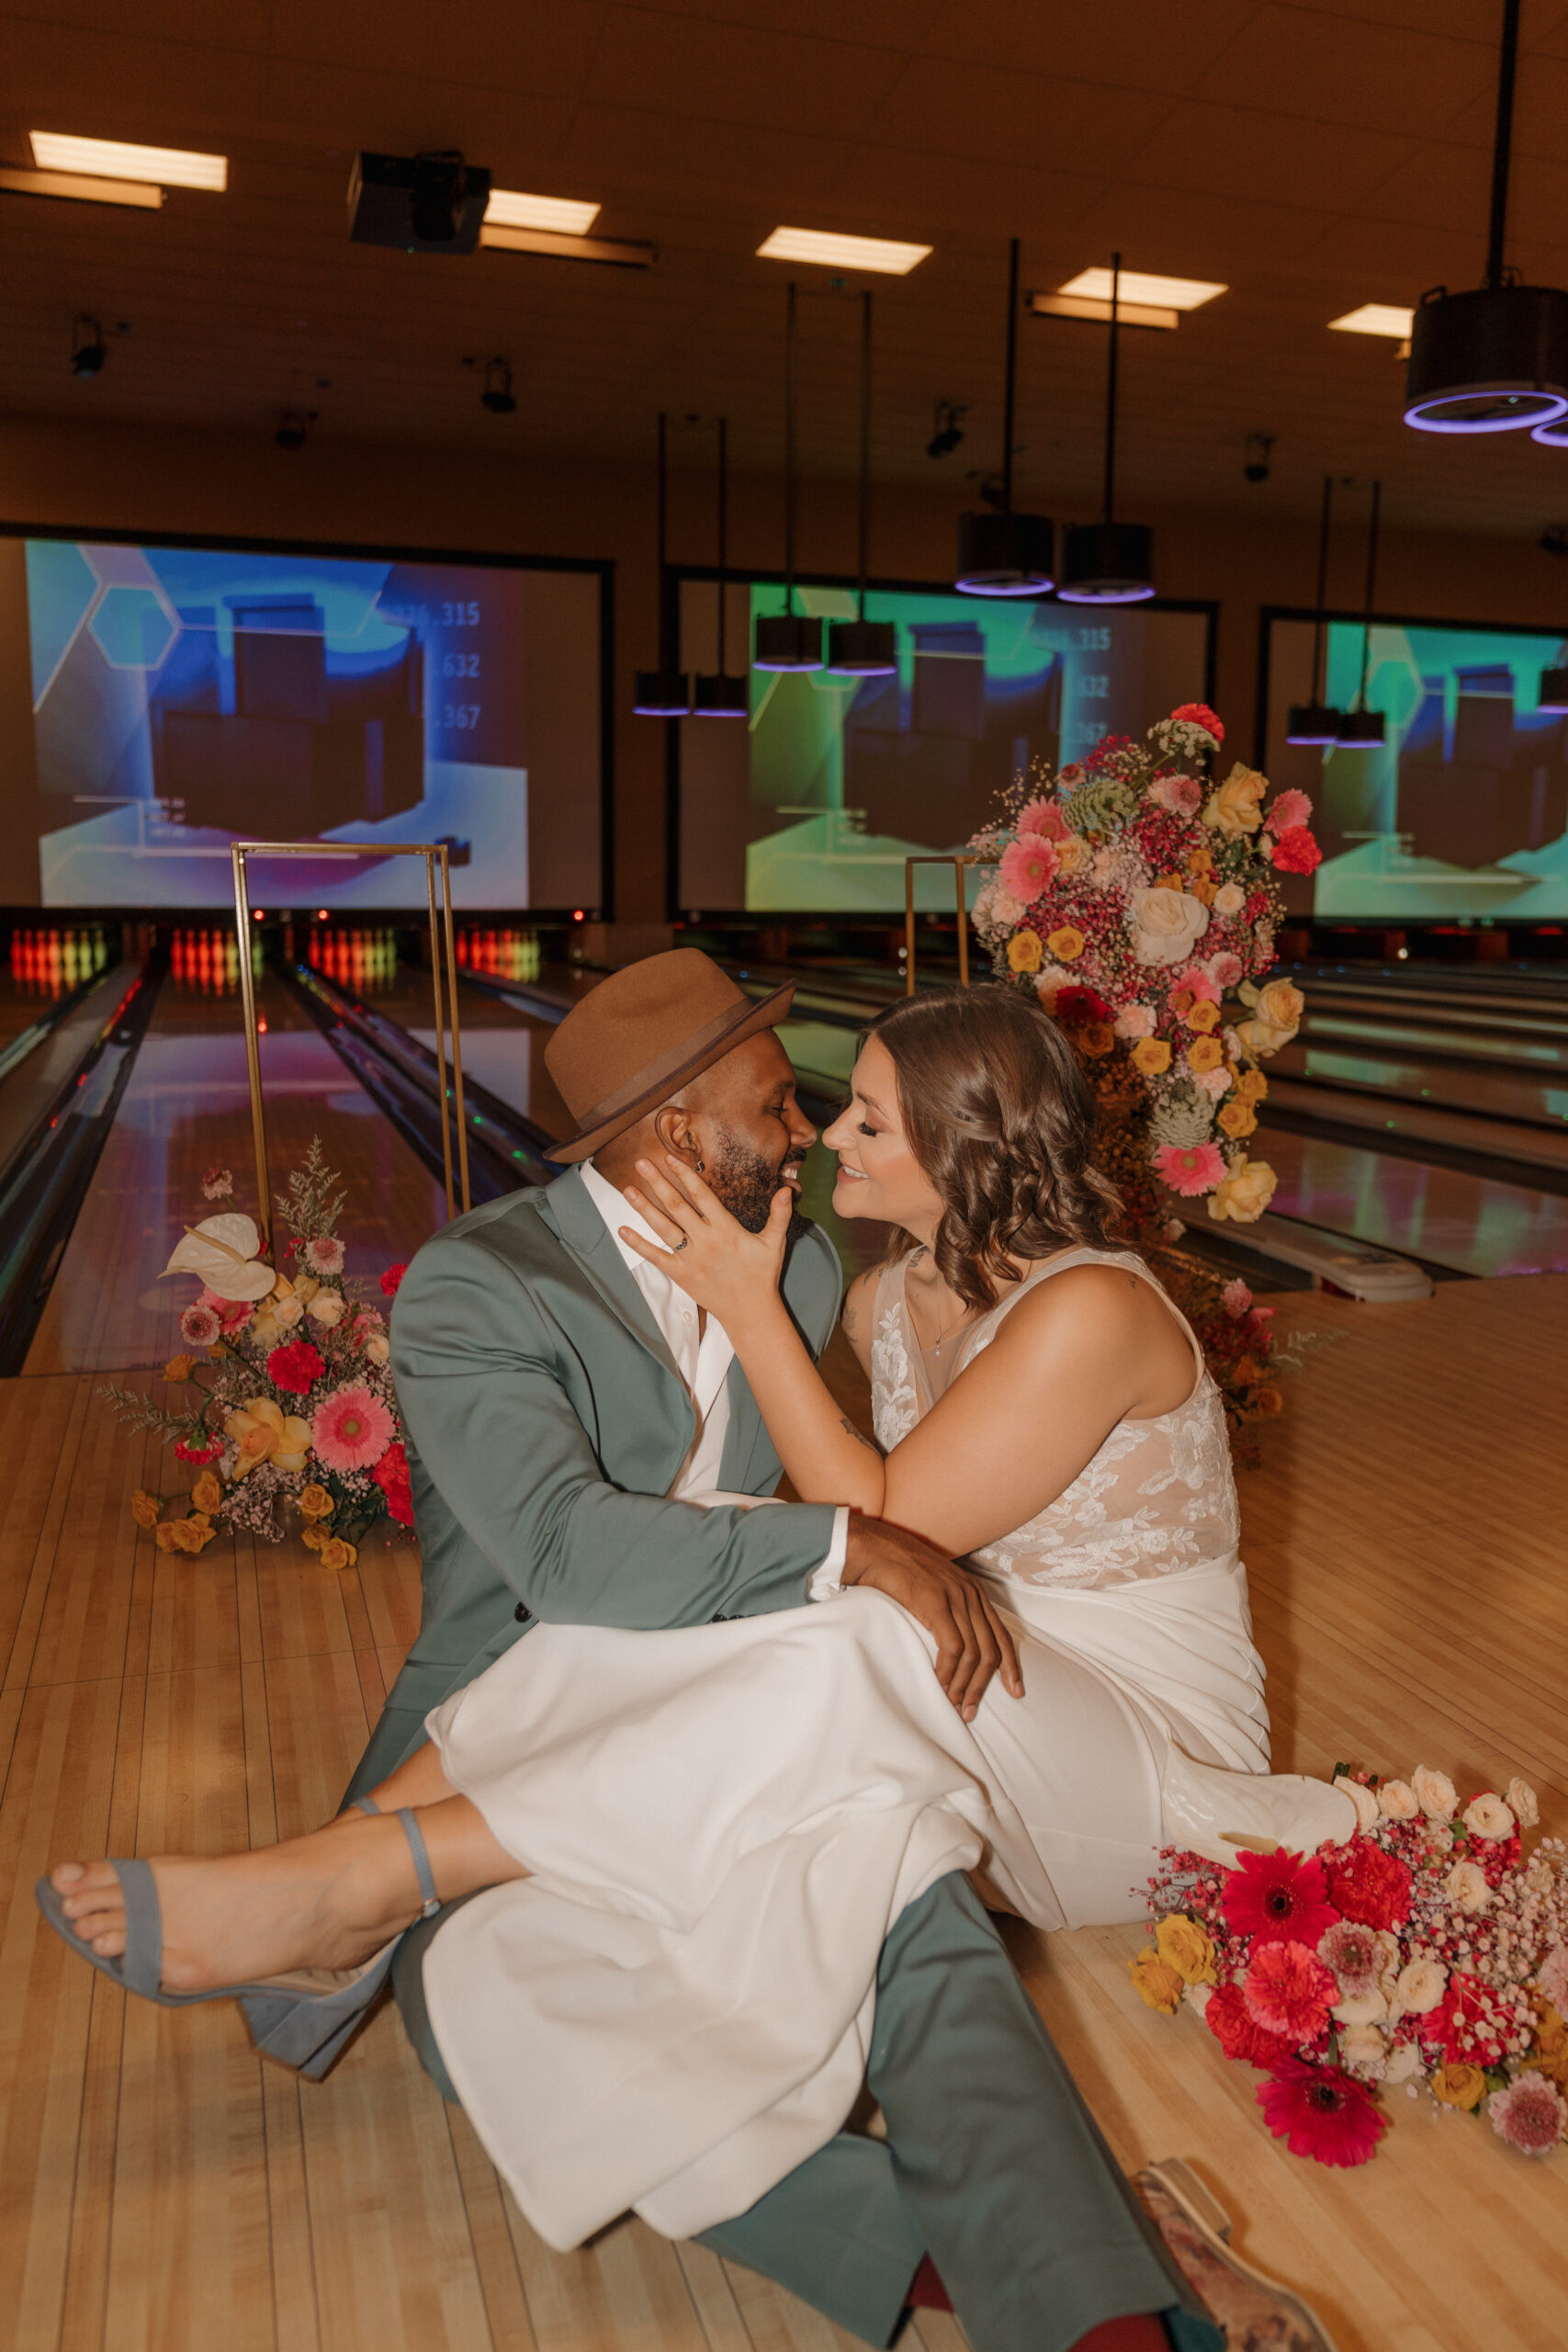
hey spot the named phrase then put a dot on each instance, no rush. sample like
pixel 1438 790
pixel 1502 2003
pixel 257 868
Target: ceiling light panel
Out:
pixel 57 150
pixel 842 253
pixel 1143 285
pixel 508 208
pixel 1377 318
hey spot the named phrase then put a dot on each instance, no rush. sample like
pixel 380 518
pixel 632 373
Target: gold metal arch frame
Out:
pixel 959 865
pixel 441 936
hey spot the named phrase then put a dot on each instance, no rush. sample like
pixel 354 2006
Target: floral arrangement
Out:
pixel 1141 901
pixel 289 1391
pixel 1426 1951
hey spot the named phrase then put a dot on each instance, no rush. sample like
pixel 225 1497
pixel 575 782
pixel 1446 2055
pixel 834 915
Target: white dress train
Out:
pixel 722 1823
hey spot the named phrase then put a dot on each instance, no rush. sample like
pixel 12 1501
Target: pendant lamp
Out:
pixel 863 649
pixel 1553 696
pixel 1109 562
pixel 1002 553
pixel 1495 358
pixel 1315 721
pixel 663 693
pixel 1362 729
pixel 787 640
pixel 716 695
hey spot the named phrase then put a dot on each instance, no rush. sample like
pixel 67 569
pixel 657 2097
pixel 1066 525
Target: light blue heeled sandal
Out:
pixel 303 2019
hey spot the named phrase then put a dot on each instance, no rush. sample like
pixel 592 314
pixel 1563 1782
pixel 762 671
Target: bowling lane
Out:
pixel 1445 1217
pixel 186 1108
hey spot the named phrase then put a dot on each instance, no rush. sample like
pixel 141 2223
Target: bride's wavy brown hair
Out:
pixel 1001 1120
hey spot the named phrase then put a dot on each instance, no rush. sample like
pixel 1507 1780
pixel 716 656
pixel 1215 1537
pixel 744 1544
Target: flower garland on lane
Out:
pixel 1425 1953
pixel 290 1389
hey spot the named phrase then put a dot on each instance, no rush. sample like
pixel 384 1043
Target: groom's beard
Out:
pixel 746 1183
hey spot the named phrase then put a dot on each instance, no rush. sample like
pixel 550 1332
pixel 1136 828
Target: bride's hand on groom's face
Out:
pixel 729 1272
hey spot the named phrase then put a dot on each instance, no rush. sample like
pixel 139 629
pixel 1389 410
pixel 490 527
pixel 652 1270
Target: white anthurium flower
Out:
pixel 224 1253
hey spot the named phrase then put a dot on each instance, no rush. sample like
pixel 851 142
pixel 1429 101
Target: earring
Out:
pixel 698 1165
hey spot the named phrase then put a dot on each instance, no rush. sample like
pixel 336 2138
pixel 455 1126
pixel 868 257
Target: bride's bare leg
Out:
pixel 328 1900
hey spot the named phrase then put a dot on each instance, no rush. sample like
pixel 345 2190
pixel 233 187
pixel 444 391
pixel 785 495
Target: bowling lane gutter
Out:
pixel 45 1176
pixel 401 1078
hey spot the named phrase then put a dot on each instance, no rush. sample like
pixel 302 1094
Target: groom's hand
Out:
pixel 972 1643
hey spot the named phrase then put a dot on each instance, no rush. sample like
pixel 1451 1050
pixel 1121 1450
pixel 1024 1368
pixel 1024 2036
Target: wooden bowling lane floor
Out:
pixel 163 2190
pixel 1470 1224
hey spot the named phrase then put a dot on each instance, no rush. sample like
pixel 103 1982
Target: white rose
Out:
pixel 1166 925
pixel 1363 2050
pixel 1434 1792
pixel 1522 1802
pixel 1362 1798
pixel 377 1346
pixel 1135 1020
pixel 1364 2008
pixel 1198 1995
pixel 1229 899
pixel 1049 982
pixel 1421 1986
pixel 1488 1816
pixel 1007 912
pixel 1214 1084
pixel 1466 1885
pixel 327 1308
pixel 287 1313
pixel 1405 2062
pixel 1397 1800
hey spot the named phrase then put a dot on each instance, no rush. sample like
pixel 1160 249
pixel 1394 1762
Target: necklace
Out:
pixel 944 1331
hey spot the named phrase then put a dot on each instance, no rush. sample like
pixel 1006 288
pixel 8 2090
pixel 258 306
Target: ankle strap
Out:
pixel 422 1870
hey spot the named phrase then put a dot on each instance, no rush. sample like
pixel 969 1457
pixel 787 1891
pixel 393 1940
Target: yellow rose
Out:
pixel 1281 1005
pixel 144 1509
pixel 1252 1086
pixel 1245 1193
pixel 293 1449
pixel 1459 2086
pixel 1205 1054
pixel 1201 888
pixel 1183 1945
pixel 1156 1982
pixel 315 1503
pixel 1238 1119
pixel 1168 882
pixel 163 1534
pixel 191 1535
pixel 1151 1056
pixel 179 1368
pixel 336 1554
pixel 1066 945
pixel 312 1537
pixel 1199 861
pixel 207 1492
pixel 1237 806
pixel 1096 1039
pixel 1203 1015
pixel 1024 952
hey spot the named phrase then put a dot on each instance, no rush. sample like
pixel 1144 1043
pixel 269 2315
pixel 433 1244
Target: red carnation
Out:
pixel 198 1454
pixel 1368 1885
pixel 1198 713
pixel 1295 851
pixel 391 1278
pixel 296 1367
pixel 1237 2032
pixel 392 1474
pixel 1289 1991
pixel 1321 2112
pixel 1279 1898
pixel 1075 1002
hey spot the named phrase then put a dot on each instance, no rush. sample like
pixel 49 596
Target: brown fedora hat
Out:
pixel 641 1035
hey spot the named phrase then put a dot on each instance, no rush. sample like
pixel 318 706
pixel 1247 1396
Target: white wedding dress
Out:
pixel 722 1823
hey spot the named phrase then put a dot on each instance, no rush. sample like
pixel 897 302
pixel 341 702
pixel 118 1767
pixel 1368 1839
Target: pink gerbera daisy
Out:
pixel 1320 2112
pixel 351 1429
pixel 1289 1991
pixel 1289 809
pixel 1044 818
pixel 1028 868
pixel 1279 1898
pixel 1191 1168
pixel 324 1255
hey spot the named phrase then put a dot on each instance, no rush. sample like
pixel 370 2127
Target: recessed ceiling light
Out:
pixel 842 253
pixel 145 195
pixel 508 208
pixel 1377 318
pixel 57 150
pixel 1143 285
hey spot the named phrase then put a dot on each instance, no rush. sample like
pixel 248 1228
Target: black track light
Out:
pixel 88 349
pixel 663 693
pixel 440 193
pixel 1362 729
pixel 1314 722
pixel 714 694
pixel 788 641
pixel 294 426
pixel 949 432
pixel 863 649
pixel 1004 554
pixel 1109 562
pixel 497 395
pixel 1553 696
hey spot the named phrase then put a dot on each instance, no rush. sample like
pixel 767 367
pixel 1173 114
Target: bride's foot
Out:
pixel 325 1901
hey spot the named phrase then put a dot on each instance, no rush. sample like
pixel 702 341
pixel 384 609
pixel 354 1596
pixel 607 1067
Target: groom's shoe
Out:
pixel 1254 2310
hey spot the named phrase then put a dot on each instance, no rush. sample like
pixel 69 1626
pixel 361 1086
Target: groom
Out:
pixel 564 1405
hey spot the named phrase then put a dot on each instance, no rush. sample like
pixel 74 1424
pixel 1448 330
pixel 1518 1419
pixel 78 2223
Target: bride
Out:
pixel 694 1842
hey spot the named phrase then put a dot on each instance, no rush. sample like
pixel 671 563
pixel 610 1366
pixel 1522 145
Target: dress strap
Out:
pixel 1087 1254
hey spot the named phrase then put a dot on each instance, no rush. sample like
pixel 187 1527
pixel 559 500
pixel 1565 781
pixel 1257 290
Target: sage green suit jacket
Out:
pixel 545 1422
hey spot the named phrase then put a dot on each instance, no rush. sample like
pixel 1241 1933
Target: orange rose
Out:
pixel 1066 945
pixel 145 1507
pixel 336 1554
pixel 1249 1371
pixel 1200 861
pixel 315 1503
pixel 1463 2087
pixel 1252 1086
pixel 313 1538
pixel 1238 1119
pixel 1096 1039
pixel 1202 889
pixel 1151 1056
pixel 1205 1054
pixel 207 1492
pixel 1024 952
pixel 1203 1015
pixel 179 1368
pixel 1269 1400
pixel 1156 1982
pixel 163 1534
pixel 1168 882
pixel 191 1536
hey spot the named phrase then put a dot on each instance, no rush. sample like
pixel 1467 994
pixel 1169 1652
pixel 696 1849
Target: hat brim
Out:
pixel 750 1020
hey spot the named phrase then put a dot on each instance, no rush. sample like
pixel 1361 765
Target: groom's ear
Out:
pixel 676 1130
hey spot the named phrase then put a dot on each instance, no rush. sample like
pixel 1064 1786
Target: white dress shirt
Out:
pixel 703 1360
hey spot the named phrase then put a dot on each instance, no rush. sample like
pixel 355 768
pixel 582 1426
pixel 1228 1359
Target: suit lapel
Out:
pixel 568 1206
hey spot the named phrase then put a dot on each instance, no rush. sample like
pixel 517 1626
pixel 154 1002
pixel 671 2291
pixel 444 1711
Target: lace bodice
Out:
pixel 1156 1500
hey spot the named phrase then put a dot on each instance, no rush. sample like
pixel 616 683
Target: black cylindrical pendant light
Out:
pixel 1314 721
pixel 1553 696
pixel 863 649
pixel 714 694
pixel 1362 729
pixel 1002 553
pixel 787 640
pixel 663 693
pixel 1493 359
pixel 1109 562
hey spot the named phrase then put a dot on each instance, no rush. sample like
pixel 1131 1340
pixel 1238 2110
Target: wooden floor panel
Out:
pixel 161 2188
